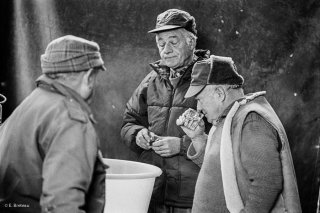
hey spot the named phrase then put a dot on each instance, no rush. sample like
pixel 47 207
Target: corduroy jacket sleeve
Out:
pixel 136 114
pixel 261 159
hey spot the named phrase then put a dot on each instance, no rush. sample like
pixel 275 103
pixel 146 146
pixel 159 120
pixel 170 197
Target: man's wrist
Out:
pixel 202 137
pixel 185 142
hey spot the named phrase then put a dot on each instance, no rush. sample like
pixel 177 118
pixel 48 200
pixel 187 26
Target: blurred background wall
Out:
pixel 275 44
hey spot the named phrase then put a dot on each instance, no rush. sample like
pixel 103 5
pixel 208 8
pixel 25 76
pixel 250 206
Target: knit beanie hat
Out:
pixel 71 54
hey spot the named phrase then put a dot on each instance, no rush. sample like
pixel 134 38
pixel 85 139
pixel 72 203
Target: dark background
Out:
pixel 275 44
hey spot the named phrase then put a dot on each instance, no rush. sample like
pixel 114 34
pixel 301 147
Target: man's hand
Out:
pixel 166 146
pixel 197 135
pixel 144 137
pixel 188 126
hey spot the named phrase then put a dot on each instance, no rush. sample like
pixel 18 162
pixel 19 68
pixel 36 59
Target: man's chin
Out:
pixel 170 64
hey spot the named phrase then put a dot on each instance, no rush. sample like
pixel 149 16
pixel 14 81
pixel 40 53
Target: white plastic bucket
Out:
pixel 129 186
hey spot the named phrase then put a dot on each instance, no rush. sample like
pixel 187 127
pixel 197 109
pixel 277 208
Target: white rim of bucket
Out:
pixel 144 175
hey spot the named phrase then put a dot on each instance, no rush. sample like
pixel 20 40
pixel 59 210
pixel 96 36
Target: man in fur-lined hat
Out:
pixel 245 160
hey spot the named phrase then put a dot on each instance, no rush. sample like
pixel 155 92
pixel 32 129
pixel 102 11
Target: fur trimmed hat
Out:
pixel 217 70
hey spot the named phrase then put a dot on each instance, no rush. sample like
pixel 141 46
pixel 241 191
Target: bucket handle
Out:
pixel 4 99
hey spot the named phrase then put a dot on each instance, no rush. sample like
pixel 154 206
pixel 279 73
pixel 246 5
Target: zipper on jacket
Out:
pixel 171 98
pixel 169 111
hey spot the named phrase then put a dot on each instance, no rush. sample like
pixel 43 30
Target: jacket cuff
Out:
pixel 184 144
pixel 192 154
pixel 196 157
pixel 131 142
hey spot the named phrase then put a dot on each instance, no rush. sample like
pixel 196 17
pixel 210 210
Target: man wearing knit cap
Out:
pixel 245 160
pixel 149 127
pixel 49 150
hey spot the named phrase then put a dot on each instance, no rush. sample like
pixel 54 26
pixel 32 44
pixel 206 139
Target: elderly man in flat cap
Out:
pixel 245 160
pixel 49 150
pixel 149 126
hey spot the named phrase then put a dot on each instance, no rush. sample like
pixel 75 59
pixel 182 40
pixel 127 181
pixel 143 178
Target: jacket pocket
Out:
pixel 172 186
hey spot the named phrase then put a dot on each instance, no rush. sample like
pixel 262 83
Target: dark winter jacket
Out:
pixel 156 105
pixel 49 155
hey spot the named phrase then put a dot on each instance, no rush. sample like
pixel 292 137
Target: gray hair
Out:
pixel 188 35
pixel 64 75
pixel 233 91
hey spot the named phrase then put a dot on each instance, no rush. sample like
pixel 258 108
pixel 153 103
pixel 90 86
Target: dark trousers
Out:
pixel 161 208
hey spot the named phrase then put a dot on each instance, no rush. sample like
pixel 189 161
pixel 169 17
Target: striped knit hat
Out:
pixel 71 54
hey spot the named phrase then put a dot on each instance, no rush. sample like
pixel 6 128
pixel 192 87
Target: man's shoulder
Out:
pixel 258 123
pixel 152 74
pixel 253 116
pixel 149 78
pixel 62 108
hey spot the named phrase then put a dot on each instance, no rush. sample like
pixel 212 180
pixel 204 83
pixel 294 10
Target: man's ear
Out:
pixel 88 77
pixel 221 93
pixel 192 43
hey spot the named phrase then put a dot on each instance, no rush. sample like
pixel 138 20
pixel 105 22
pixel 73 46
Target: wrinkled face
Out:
pixel 209 103
pixel 173 48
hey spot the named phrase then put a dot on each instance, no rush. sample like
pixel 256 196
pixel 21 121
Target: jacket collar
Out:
pixel 164 71
pixel 54 86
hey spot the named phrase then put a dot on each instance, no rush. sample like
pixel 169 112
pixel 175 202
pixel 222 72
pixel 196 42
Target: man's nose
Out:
pixel 167 48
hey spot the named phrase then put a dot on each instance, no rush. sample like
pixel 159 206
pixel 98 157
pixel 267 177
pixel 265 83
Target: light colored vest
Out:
pixel 288 201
